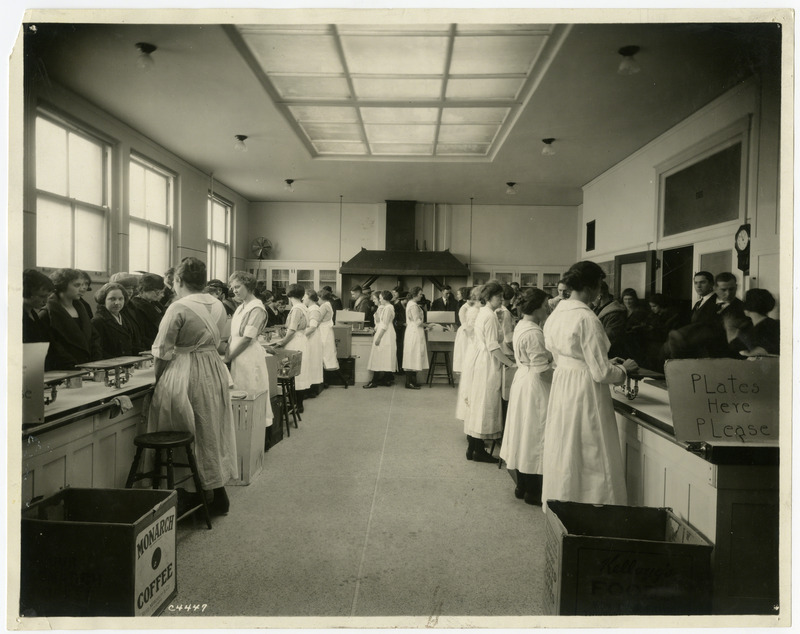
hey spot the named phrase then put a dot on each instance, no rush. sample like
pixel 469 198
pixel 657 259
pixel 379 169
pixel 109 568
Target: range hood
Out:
pixel 401 256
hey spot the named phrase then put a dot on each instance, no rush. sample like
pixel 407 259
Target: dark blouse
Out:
pixel 146 317
pixel 116 340
pixel 72 340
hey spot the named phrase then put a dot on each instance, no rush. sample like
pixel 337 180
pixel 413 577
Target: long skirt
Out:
pixel 329 360
pixel 523 437
pixel 249 372
pixel 300 343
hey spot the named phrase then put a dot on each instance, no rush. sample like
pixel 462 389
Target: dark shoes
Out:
pixel 477 451
pixel 370 385
pixel 519 493
pixel 412 386
pixel 219 505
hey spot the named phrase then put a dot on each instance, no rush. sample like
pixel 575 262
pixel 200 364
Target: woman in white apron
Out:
pixel 383 355
pixel 483 411
pixel 523 438
pixel 329 359
pixel 582 456
pixel 245 354
pixel 467 361
pixel 415 348
pixel 464 332
pixel 192 383
pixel 295 339
pixel 314 338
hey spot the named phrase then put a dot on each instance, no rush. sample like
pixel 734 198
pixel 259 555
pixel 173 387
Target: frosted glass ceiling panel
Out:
pixel 401 148
pixel 400 133
pixel 489 89
pixel 399 115
pixel 476 55
pixel 332 131
pixel 462 148
pixel 293 87
pixel 400 55
pixel 338 147
pixel 467 133
pixel 323 113
pixel 397 89
pixel 344 29
pixel 474 115
pixel 293 53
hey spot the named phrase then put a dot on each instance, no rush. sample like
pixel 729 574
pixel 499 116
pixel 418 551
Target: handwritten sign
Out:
pixel 724 400
pixel 33 355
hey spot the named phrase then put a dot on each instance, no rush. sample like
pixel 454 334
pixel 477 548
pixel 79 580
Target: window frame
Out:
pixel 149 164
pixel 211 242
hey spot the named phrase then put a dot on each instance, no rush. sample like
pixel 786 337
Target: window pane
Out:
pixel 137 190
pixel 90 240
pixel 156 197
pixel 86 170
pixel 218 223
pixel 159 251
pixel 220 262
pixel 528 280
pixel 53 234
pixel 51 158
pixel 137 247
pixel 305 278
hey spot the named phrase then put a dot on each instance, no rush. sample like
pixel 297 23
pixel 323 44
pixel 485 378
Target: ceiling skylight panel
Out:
pixel 332 131
pixel 339 147
pixel 395 89
pixel 494 55
pixel 399 115
pixel 402 149
pixel 488 89
pixel 311 88
pixel 467 133
pixel 474 115
pixel 324 114
pixel 463 149
pixel 400 133
pixel 278 53
pixel 395 55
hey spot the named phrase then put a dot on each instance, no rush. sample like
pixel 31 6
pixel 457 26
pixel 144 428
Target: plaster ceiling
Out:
pixel 205 88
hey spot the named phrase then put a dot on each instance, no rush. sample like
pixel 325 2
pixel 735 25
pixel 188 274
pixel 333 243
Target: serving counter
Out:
pixel 728 491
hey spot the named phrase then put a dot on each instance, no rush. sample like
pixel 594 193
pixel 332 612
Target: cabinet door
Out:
pixel 528 280
pixel 329 277
pixel 480 277
pixel 306 278
pixel 503 276
pixel 550 283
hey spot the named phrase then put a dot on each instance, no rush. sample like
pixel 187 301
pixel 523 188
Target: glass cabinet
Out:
pixel 277 275
pixel 544 277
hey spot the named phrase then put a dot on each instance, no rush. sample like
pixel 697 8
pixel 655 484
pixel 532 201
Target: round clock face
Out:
pixel 742 239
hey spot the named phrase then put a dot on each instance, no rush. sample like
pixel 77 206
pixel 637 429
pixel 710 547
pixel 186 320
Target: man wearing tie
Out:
pixel 705 310
pixel 446 301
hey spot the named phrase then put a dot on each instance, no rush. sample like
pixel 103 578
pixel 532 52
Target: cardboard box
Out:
pixel 99 552
pixel 343 337
pixel 275 431
pixel 603 560
pixel 250 421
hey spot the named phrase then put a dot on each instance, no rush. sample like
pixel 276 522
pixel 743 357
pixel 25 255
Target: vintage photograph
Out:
pixel 448 318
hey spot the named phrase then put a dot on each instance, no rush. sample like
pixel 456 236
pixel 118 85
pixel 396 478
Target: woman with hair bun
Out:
pixel 192 383
pixel 415 349
pixel 383 355
pixel 483 415
pixel 295 339
pixel 314 337
pixel 523 438
pixel 582 455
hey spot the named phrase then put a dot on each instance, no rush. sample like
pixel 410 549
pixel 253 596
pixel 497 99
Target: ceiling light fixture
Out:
pixel 288 186
pixel 548 149
pixel 628 65
pixel 239 144
pixel 511 188
pixel 145 61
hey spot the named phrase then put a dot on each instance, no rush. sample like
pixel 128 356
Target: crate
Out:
pixel 343 338
pixel 98 552
pixel 603 560
pixel 250 421
pixel 289 363
pixel 275 431
pixel 347 367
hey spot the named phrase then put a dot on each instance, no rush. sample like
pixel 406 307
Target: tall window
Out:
pixel 150 217
pixel 219 222
pixel 73 180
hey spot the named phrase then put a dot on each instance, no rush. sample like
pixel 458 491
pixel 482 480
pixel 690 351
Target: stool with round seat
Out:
pixel 164 443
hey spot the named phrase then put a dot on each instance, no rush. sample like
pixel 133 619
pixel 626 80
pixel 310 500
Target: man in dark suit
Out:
pixel 705 308
pixel 446 301
pixel 398 296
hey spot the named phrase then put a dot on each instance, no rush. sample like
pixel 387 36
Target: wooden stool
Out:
pixel 435 360
pixel 290 399
pixel 166 442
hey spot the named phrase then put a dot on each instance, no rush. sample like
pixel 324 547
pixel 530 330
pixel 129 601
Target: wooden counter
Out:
pixel 733 501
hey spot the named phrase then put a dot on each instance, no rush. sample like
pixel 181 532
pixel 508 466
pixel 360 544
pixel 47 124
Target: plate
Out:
pixel 238 394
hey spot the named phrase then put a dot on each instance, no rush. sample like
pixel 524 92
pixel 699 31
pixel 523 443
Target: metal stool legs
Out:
pixel 435 360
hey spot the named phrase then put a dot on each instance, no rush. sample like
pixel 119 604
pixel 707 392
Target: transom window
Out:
pixel 73 181
pixel 219 220
pixel 151 196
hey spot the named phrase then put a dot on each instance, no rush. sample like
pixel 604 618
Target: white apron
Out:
pixel 582 455
pixel 415 349
pixel 297 320
pixel 523 438
pixel 483 411
pixel 464 336
pixel 329 360
pixel 249 368
pixel 314 345
pixel 383 357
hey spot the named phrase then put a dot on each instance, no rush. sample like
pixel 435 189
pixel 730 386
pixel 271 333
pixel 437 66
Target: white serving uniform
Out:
pixel 314 345
pixel 329 359
pixel 582 455
pixel 483 411
pixel 249 368
pixel 467 360
pixel 297 320
pixel 383 356
pixel 466 317
pixel 523 437
pixel 415 348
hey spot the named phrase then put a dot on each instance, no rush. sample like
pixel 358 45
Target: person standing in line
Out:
pixel 582 456
pixel 335 302
pixel 415 347
pixel 464 332
pixel 467 360
pixel 523 439
pixel 613 316
pixel 246 357
pixel 398 303
pixel 383 355
pixel 326 311
pixel 314 337
pixel 36 288
pixel 192 391
pixel 146 310
pixel 446 301
pixel 169 283
pixel 118 336
pixel 295 339
pixel 483 418
pixel 506 320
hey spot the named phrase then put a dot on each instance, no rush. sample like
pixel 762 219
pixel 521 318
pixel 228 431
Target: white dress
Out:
pixel 415 349
pixel 192 394
pixel 483 413
pixel 467 362
pixel 582 456
pixel 329 360
pixel 383 356
pixel 297 320
pixel 314 345
pixel 249 368
pixel 523 438
pixel 466 317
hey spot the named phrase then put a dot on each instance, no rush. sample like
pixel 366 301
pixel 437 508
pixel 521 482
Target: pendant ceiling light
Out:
pixel 145 61
pixel 288 186
pixel 511 188
pixel 239 145
pixel 548 149
pixel 628 65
